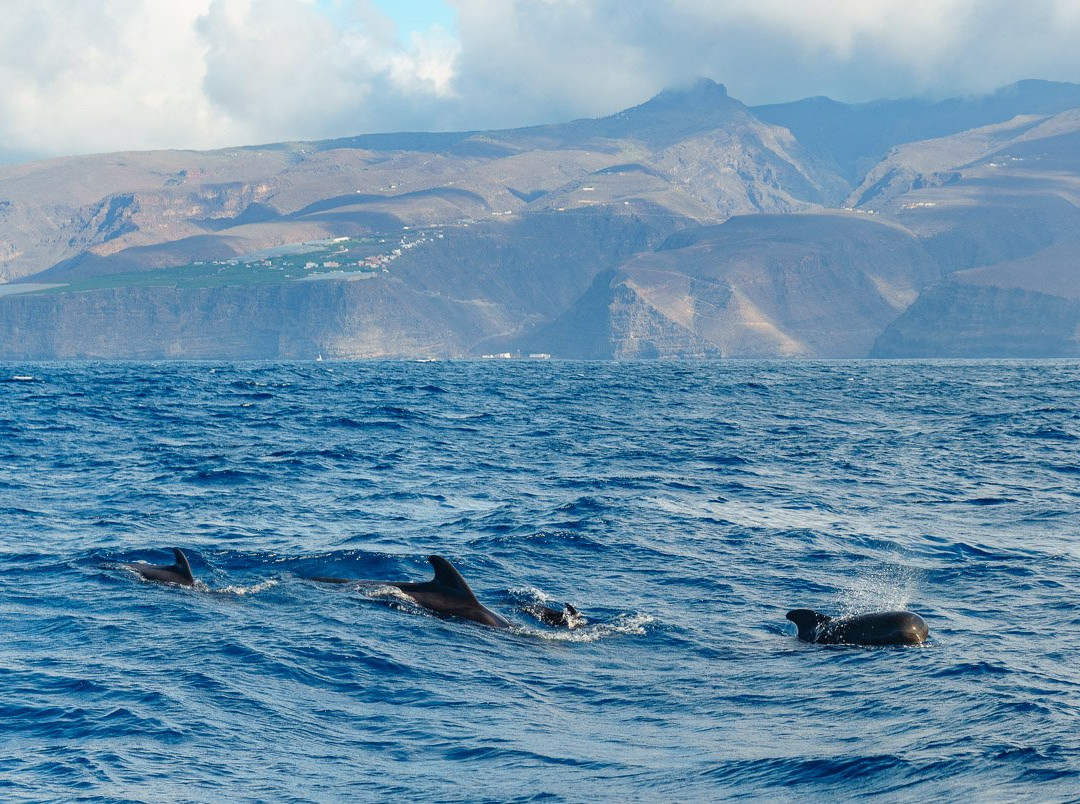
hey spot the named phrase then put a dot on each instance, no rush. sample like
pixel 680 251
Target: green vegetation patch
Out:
pixel 339 257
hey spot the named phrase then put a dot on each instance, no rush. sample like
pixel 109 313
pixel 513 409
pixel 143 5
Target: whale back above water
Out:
pixel 877 628
pixel 178 573
pixel 567 616
pixel 446 593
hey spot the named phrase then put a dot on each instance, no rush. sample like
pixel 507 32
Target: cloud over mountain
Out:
pixel 126 74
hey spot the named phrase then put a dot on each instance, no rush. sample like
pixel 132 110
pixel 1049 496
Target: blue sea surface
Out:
pixel 683 507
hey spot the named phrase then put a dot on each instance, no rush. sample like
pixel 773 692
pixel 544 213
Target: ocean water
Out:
pixel 683 507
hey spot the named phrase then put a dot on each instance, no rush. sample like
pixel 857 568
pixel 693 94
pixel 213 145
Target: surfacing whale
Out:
pixel 447 593
pixel 179 573
pixel 567 616
pixel 878 628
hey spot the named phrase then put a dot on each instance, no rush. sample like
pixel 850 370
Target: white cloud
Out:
pixel 118 74
pixel 285 70
pixel 77 77
pixel 601 55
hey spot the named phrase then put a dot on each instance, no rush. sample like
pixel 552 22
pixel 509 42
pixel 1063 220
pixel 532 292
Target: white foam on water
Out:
pixel 530 594
pixel 242 591
pixel 623 625
pixel 381 590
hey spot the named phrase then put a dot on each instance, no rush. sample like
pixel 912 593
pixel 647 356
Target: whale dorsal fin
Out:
pixel 182 565
pixel 448 577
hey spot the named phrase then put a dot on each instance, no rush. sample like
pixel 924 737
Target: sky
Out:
pixel 79 77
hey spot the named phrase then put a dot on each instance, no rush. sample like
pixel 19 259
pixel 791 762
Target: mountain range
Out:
pixel 689 226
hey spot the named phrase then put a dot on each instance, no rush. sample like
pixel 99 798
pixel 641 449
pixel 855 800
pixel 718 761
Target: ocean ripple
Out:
pixel 683 508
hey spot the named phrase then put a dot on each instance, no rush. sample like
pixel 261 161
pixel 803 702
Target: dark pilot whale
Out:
pixel 878 628
pixel 447 593
pixel 180 572
pixel 567 616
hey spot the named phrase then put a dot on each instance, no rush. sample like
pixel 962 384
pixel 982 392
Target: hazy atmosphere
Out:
pixel 138 74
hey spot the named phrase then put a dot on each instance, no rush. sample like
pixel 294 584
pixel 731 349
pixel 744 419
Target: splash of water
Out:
pixel 882 587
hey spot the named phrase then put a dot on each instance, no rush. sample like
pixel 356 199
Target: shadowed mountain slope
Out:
pixel 1006 231
pixel 756 286
pixel 855 136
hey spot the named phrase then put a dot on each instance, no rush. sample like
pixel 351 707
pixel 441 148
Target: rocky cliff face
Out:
pixel 756 286
pixel 1007 230
pixel 958 320
pixel 358 319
